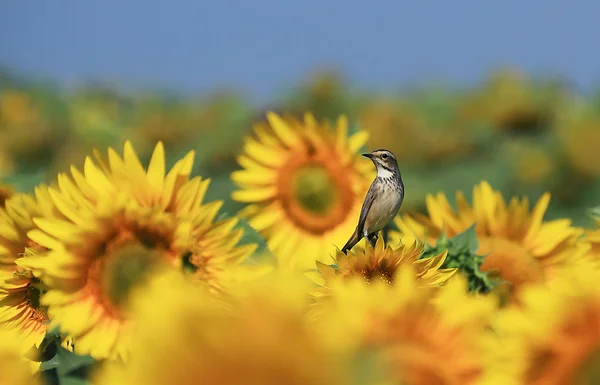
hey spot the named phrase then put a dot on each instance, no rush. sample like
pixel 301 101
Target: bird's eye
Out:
pixel 384 156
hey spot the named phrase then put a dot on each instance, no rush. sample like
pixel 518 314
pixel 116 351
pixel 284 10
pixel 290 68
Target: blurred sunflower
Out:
pixel 510 102
pixel 20 290
pixel 553 337
pixel 424 336
pixel 31 128
pixel 534 165
pixel 522 247
pixel 382 263
pixel 305 183
pixel 394 126
pixel 118 227
pixel 580 139
pixel 265 339
pixel 15 368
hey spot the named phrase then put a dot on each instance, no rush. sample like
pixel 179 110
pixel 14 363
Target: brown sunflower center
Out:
pixel 126 264
pixel 314 189
pixel 380 272
pixel 34 293
pixel 315 192
pixel 510 261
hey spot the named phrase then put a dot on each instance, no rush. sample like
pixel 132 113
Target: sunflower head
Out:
pixel 382 262
pixel 553 336
pixel 262 334
pixel 20 288
pixel 579 134
pixel 118 224
pixel 304 182
pixel 423 336
pixel 520 246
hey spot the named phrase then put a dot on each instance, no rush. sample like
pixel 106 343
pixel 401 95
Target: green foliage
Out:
pixel 462 254
pixel 60 366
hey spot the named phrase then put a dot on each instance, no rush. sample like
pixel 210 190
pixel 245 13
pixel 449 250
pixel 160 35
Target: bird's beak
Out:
pixel 370 156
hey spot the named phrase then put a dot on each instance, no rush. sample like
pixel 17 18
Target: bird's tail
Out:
pixel 351 242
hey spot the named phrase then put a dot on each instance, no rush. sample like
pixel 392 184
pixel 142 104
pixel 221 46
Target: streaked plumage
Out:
pixel 383 199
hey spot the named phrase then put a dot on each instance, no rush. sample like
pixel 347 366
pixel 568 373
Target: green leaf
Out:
pixel 71 380
pixel 594 213
pixel 50 364
pixel 462 255
pixel 70 362
pixel 467 239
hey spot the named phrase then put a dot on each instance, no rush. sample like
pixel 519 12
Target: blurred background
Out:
pixel 460 91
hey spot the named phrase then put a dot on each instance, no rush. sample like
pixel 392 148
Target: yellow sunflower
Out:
pixel 15 368
pixel 113 236
pixel 553 337
pixel 522 247
pixel 264 339
pixel 304 183
pixel 381 263
pixel 20 291
pixel 423 336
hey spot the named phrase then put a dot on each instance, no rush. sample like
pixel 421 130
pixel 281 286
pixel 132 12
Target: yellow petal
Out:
pixel 284 132
pixel 156 168
pixel 255 194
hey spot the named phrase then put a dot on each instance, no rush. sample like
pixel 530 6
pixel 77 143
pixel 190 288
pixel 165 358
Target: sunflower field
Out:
pixel 154 238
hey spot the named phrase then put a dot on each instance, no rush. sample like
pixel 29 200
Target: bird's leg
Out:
pixel 372 238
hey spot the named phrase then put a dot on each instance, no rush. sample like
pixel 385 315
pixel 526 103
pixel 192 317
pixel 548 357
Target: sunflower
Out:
pixel 522 247
pixel 382 263
pixel 264 339
pixel 423 336
pixel 579 136
pixel 114 235
pixel 15 368
pixel 305 183
pixel 553 337
pixel 20 290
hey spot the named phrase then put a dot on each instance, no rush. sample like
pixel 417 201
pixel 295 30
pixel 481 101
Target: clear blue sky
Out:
pixel 260 46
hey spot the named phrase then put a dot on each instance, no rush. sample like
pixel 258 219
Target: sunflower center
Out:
pixel 34 293
pixel 509 261
pixel 314 189
pixel 315 192
pixel 382 273
pixel 125 265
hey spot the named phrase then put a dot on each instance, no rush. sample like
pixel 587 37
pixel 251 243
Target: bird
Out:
pixel 383 200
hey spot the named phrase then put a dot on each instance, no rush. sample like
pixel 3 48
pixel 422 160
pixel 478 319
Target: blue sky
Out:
pixel 262 46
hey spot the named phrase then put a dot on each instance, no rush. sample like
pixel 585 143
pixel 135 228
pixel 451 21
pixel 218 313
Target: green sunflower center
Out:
pixel 314 189
pixel 125 268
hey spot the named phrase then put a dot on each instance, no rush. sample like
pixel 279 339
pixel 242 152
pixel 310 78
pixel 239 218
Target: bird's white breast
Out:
pixel 384 173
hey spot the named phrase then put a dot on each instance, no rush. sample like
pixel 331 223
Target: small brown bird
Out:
pixel 383 199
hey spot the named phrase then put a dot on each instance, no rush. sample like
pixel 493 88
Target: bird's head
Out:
pixel 384 160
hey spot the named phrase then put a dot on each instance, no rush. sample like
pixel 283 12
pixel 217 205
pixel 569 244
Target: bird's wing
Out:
pixel 369 199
